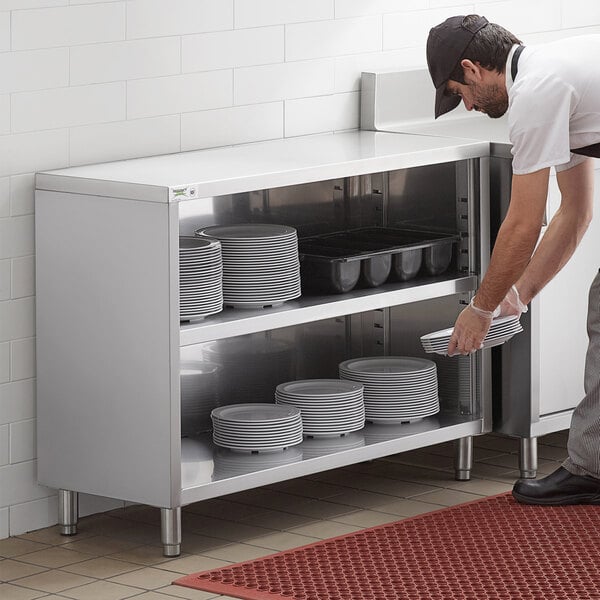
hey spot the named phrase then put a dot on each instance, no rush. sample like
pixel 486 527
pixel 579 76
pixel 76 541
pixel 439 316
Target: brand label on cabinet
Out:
pixel 184 192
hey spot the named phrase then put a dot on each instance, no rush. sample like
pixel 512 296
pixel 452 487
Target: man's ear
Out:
pixel 471 70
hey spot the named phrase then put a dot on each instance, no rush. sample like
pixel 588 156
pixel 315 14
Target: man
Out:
pixel 552 95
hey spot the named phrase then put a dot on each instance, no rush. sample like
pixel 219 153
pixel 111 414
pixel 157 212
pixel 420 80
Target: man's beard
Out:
pixel 491 100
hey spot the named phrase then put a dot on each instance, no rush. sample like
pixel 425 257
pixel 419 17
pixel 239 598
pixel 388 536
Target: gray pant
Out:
pixel 584 434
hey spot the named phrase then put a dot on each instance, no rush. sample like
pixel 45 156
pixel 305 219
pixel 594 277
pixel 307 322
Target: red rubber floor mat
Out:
pixel 492 548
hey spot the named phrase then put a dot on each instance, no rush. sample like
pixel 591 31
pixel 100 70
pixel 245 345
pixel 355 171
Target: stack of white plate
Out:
pixel 501 330
pixel 231 464
pixel 256 427
pixel 454 383
pixel 255 364
pixel 397 389
pixel 329 407
pixel 199 395
pixel 200 278
pixel 260 263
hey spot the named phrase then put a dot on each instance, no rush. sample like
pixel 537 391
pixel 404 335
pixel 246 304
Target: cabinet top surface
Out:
pixel 260 165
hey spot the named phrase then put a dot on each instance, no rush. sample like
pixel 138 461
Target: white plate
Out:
pixel 387 366
pixel 247 230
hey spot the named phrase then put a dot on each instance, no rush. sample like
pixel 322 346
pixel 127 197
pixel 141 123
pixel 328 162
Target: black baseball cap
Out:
pixel 445 47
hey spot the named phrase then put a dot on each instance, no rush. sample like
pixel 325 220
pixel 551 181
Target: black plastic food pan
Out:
pixel 337 262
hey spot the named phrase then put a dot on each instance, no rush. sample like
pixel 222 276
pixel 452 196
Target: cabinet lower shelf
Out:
pixel 208 471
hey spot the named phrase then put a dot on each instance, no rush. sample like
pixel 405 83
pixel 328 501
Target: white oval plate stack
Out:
pixel 256 427
pixel 397 389
pixel 260 263
pixel 329 407
pixel 200 278
pixel 199 395
pixel 501 330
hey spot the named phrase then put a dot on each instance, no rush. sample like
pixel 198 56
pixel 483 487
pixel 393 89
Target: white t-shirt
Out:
pixel 554 103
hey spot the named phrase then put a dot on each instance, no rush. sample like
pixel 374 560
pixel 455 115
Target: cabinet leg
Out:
pixel 463 458
pixel 170 530
pixel 528 461
pixel 68 511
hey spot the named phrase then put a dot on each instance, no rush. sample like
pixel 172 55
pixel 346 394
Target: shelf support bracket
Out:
pixel 68 511
pixel 170 530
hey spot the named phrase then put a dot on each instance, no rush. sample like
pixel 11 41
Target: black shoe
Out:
pixel 557 489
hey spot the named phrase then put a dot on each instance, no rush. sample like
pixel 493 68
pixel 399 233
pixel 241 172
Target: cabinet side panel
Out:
pixel 104 347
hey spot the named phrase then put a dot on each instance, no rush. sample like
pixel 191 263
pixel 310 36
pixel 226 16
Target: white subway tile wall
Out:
pixel 96 80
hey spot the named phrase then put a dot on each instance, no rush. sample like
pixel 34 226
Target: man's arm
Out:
pixel 564 232
pixel 514 246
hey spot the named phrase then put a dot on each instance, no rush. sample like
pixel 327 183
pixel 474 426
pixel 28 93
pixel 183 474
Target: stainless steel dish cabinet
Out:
pixel 537 379
pixel 109 339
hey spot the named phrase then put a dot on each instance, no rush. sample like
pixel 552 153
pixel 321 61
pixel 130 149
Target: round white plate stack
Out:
pixel 256 427
pixel 199 395
pixel 329 407
pixel 398 389
pixel 260 263
pixel 200 278
pixel 501 330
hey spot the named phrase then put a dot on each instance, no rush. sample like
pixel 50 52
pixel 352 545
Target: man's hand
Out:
pixel 470 330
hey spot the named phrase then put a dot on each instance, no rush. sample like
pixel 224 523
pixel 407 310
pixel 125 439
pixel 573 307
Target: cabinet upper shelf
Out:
pixel 233 322
pixel 260 165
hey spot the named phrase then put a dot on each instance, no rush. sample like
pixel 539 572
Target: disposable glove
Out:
pixel 470 329
pixel 512 305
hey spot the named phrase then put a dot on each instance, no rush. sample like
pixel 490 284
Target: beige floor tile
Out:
pixel 193 543
pixel 493 442
pixel 366 518
pixel 322 509
pixel 221 529
pixel 145 555
pixel 493 472
pixel 100 545
pixel 448 497
pixel 407 508
pixel 192 564
pixel 13 569
pixel 361 498
pixel 101 590
pixel 12 592
pixel 179 591
pixel 55 557
pixel 325 529
pixel 104 525
pixel 54 581
pixel 148 578
pixel 483 487
pixel 276 519
pixel 52 536
pixel 239 553
pixel 552 453
pixel 223 508
pixel 307 488
pixel 283 540
pixel 101 567
pixel 11 547
pixel 151 596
